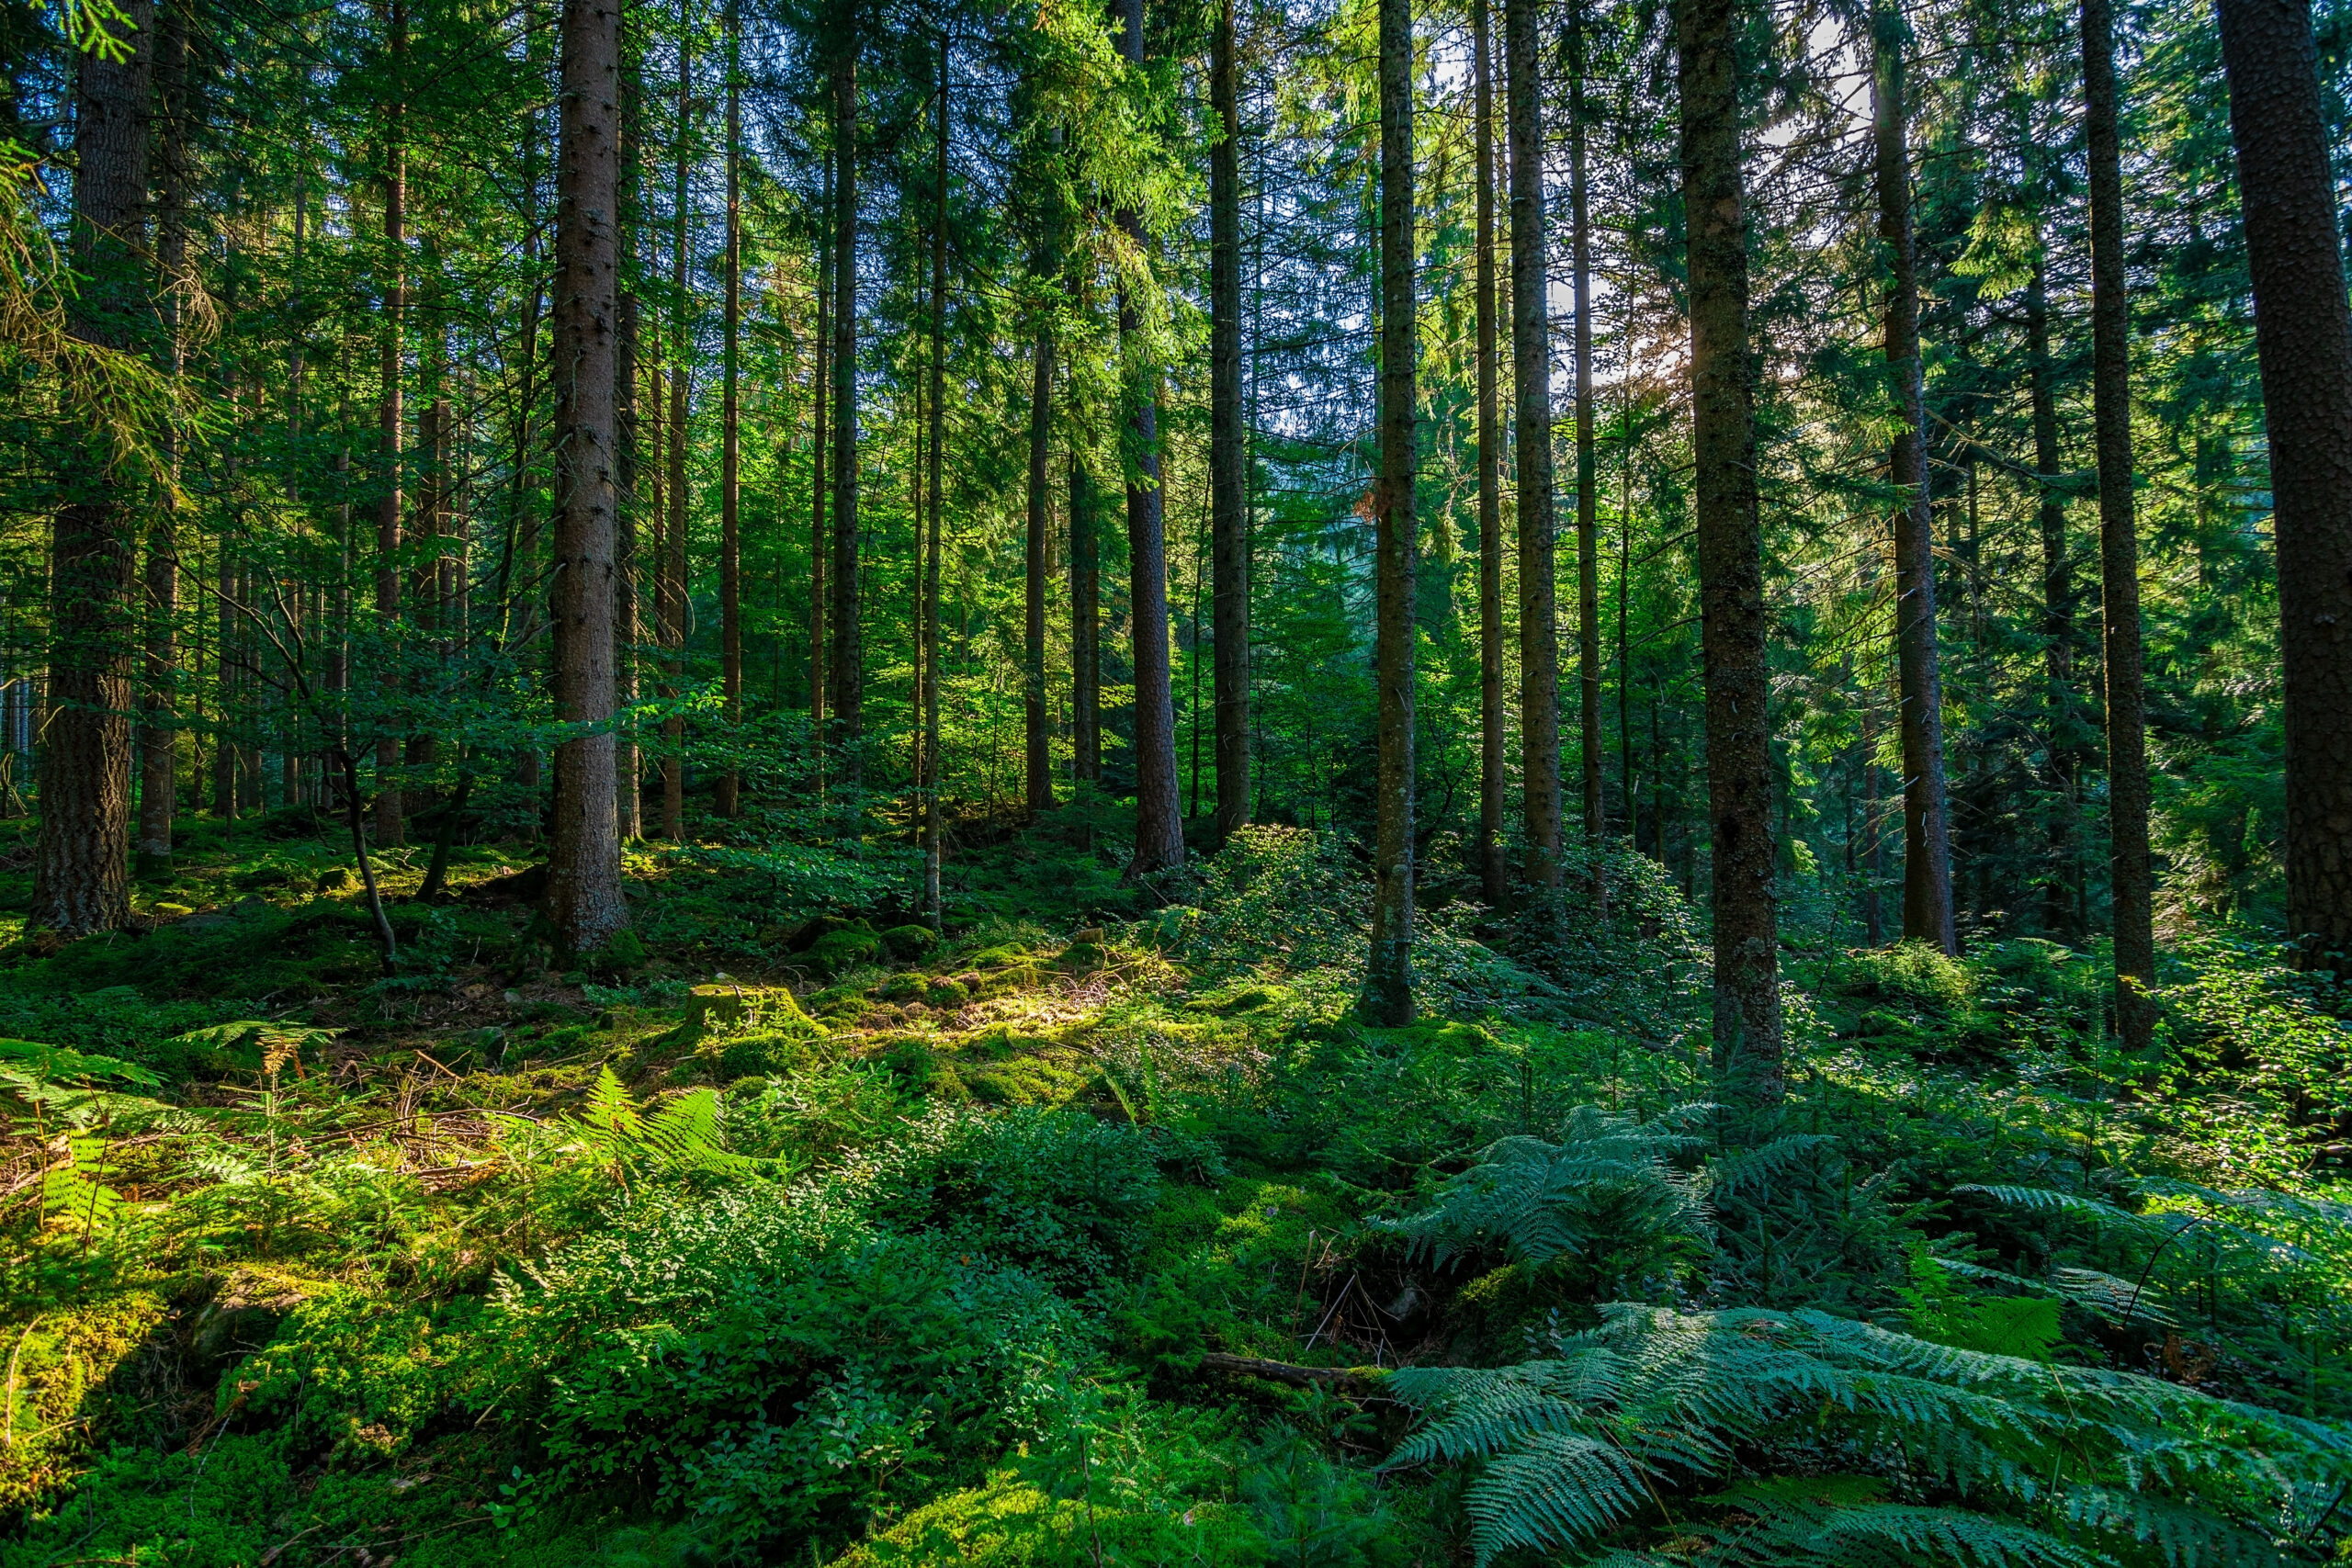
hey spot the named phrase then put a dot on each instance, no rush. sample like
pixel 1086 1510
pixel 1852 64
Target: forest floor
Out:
pixel 1092 1232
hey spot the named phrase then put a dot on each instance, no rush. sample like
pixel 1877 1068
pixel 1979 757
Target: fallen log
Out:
pixel 1346 1380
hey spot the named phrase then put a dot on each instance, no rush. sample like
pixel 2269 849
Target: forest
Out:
pixel 1292 783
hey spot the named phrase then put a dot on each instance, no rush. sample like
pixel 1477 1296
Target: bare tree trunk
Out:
pixel 628 460
pixel 2119 545
pixel 1159 822
pixel 1731 562
pixel 2063 895
pixel 849 662
pixel 931 845
pixel 1228 442
pixel 820 457
pixel 1038 754
pixel 80 870
pixel 1085 630
pixel 1927 807
pixel 1388 975
pixel 158 739
pixel 672 568
pixel 1530 344
pixel 1494 882
pixel 584 862
pixel 730 548
pixel 391 820
pixel 1596 823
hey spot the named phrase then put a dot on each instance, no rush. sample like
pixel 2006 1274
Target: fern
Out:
pixel 684 1137
pixel 1674 1395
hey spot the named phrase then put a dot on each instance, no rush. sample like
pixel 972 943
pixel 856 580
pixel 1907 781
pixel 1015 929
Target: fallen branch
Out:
pixel 1348 1380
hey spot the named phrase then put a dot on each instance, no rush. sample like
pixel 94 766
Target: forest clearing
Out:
pixel 1305 784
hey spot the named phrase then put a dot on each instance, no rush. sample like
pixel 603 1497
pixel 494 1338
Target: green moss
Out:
pixel 839 950
pixel 767 1052
pixel 65 1393
pixel 1009 1523
pixel 946 994
pixel 908 942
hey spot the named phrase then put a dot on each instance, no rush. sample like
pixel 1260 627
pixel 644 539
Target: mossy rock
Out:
pixel 945 993
pixel 998 957
pixel 908 942
pixel 840 949
pixel 1249 998
pixel 1083 957
pixel 767 1055
pixel 1028 1080
pixel 623 952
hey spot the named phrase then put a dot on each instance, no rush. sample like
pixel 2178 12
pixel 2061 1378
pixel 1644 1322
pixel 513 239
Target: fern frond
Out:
pixel 1951 1535
pixel 1555 1488
pixel 2044 1200
pixel 1763 1163
pixel 2188 1538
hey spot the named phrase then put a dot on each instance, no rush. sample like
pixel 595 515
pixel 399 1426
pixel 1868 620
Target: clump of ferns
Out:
pixel 1754 1436
pixel 1603 1213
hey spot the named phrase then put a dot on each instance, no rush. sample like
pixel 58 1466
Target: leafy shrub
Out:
pixel 357 1370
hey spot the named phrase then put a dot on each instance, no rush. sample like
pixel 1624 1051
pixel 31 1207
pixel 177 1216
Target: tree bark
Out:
pixel 1038 761
pixel 931 836
pixel 672 568
pixel 158 739
pixel 81 870
pixel 1494 881
pixel 1588 501
pixel 585 863
pixel 730 548
pixel 2063 895
pixel 628 462
pixel 1530 344
pixel 820 461
pixel 1927 809
pixel 1159 821
pixel 1228 441
pixel 2130 876
pixel 1748 1038
pixel 1388 975
pixel 1085 630
pixel 2303 339
pixel 392 816
pixel 848 668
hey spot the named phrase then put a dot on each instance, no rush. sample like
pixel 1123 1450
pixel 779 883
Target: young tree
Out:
pixel 1530 345
pixel 1085 629
pixel 391 816
pixel 1587 513
pixel 81 862
pixel 1037 754
pixel 1493 876
pixel 1388 976
pixel 2119 543
pixel 930 779
pixel 2063 895
pixel 1228 453
pixel 848 671
pixel 1731 564
pixel 731 544
pixel 1926 833
pixel 158 740
pixel 584 862
pixel 2304 338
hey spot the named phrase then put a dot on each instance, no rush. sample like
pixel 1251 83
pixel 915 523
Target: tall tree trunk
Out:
pixel 1927 807
pixel 931 845
pixel 1228 442
pixel 730 548
pixel 849 660
pixel 1530 345
pixel 391 820
pixel 628 458
pixel 1588 501
pixel 1037 753
pixel 1085 630
pixel 1388 976
pixel 1748 1037
pixel 81 873
pixel 2119 544
pixel 819 462
pixel 2063 893
pixel 1494 882
pixel 672 568
pixel 2304 338
pixel 158 739
pixel 1159 822
pixel 584 863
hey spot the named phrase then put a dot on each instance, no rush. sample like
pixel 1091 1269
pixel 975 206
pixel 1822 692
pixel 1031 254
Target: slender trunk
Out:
pixel 1039 763
pixel 1493 877
pixel 1927 807
pixel 158 739
pixel 1731 564
pixel 730 553
pixel 391 810
pixel 225 654
pixel 1388 975
pixel 1229 443
pixel 2119 543
pixel 584 862
pixel 818 456
pixel 2063 893
pixel 931 846
pixel 80 870
pixel 1085 631
pixel 1530 345
pixel 1624 587
pixel 672 568
pixel 1588 501
pixel 627 461
pixel 849 663
pixel 1159 822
